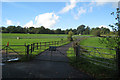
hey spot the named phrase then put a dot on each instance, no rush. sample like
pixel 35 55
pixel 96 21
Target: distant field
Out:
pixel 30 38
pixel 95 42
pixel 92 41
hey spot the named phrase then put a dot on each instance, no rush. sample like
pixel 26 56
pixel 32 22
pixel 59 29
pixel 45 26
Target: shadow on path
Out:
pixel 44 65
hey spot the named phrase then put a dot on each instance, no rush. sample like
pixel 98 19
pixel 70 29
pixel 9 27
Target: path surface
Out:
pixel 44 65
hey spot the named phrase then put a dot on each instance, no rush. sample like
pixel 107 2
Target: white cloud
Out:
pixel 29 24
pixel 69 6
pixel 105 27
pixel 47 20
pixel 9 22
pixel 91 9
pixel 102 2
pixel 80 12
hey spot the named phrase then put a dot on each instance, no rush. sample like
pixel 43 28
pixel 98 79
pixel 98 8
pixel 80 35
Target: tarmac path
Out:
pixel 45 65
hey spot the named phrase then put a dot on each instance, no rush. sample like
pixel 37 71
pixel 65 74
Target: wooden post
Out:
pixel 77 50
pixel 25 47
pixel 6 52
pixel 45 44
pixel 37 46
pixel 31 48
pixel 27 51
pixel 55 43
pixel 118 61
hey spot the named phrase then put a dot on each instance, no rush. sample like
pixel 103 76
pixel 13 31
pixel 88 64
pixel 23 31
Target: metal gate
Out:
pixel 55 54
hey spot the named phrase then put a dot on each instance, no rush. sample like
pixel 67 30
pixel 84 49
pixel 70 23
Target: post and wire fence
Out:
pixel 28 49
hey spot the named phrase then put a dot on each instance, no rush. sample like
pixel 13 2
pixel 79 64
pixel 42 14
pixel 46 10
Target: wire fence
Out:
pixel 15 51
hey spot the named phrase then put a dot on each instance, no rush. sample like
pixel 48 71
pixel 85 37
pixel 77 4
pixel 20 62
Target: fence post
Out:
pixel 55 43
pixel 25 47
pixel 37 46
pixel 31 48
pixel 27 51
pixel 118 61
pixel 76 50
pixel 6 52
pixel 45 44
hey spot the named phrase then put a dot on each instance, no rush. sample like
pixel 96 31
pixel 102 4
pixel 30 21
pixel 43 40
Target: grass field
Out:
pixel 29 39
pixel 85 65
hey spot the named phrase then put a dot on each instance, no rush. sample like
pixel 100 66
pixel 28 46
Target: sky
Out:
pixel 53 15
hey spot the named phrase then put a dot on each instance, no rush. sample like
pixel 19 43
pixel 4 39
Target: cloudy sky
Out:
pixel 53 15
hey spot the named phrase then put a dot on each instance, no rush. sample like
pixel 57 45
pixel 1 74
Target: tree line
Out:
pixel 82 30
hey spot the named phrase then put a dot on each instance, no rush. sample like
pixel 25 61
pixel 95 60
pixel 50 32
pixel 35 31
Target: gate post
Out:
pixel 76 50
pixel 45 44
pixel 118 61
pixel 31 48
pixel 27 51
pixel 6 52
pixel 37 46
pixel 55 43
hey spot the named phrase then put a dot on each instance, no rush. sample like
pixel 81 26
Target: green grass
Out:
pixel 29 39
pixel 95 42
pixel 29 36
pixel 85 65
pixel 92 41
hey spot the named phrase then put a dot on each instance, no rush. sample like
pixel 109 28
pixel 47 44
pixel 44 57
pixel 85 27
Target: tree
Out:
pixel 11 29
pixel 115 40
pixel 74 31
pixel 19 29
pixel 70 34
pixel 4 30
pixel 80 29
pixel 58 31
pixel 87 30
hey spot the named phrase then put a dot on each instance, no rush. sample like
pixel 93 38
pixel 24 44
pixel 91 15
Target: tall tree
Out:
pixel 80 29
pixel 87 30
